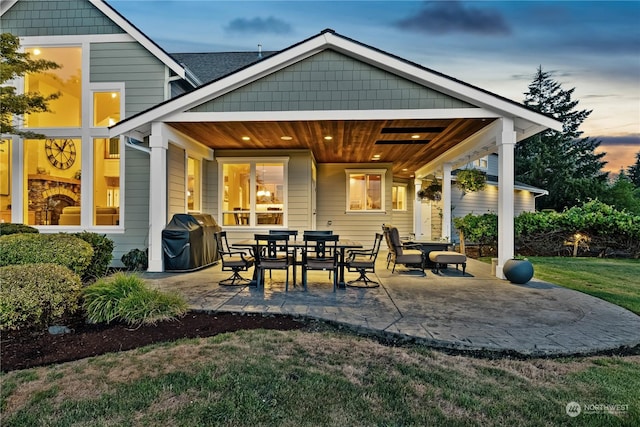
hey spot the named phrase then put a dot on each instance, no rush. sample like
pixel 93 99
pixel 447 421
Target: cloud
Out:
pixel 259 25
pixel 454 17
pixel 631 139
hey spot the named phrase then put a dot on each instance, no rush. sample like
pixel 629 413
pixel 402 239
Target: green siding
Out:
pixel 56 18
pixel 130 62
pixel 176 181
pixel 331 81
pixel 136 205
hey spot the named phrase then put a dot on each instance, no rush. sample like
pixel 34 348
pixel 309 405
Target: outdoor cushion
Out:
pixel 448 257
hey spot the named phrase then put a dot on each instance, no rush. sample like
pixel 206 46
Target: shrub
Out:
pixel 62 249
pixel 102 255
pixel 135 259
pixel 126 297
pixel 7 228
pixel 37 294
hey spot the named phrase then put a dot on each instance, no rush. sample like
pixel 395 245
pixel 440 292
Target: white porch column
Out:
pixel 506 140
pixel 446 202
pixel 157 195
pixel 417 209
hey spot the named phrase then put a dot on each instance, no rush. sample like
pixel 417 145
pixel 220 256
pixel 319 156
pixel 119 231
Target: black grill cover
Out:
pixel 189 243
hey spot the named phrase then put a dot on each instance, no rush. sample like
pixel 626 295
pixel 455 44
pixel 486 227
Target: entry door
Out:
pixel 425 216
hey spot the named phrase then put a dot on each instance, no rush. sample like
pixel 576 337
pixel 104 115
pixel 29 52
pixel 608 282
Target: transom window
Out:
pixel 253 192
pixel 365 190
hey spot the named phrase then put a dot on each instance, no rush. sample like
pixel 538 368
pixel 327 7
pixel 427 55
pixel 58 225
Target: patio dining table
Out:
pixel 342 245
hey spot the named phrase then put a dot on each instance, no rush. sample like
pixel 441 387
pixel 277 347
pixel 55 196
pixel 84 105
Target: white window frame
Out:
pixel 253 161
pixel 406 198
pixel 382 173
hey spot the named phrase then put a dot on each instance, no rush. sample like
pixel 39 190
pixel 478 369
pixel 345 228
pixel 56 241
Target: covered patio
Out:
pixel 345 103
pixel 477 312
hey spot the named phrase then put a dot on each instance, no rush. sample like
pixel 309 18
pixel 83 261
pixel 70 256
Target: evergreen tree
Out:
pixel 13 64
pixel 634 171
pixel 563 163
pixel 623 195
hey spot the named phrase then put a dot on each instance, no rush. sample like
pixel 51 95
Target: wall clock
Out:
pixel 60 152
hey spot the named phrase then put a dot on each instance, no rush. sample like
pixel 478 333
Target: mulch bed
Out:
pixel 30 348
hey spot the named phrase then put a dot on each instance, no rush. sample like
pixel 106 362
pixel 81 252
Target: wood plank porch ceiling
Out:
pixel 352 141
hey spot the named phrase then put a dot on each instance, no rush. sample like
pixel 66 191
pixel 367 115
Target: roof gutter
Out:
pixel 135 144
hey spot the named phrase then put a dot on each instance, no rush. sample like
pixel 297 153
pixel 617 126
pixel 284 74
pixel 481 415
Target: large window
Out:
pixel 253 193
pixel 106 181
pixel 399 197
pixel 53 181
pixel 66 111
pixel 365 190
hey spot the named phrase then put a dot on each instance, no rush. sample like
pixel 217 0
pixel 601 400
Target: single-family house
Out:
pixel 327 133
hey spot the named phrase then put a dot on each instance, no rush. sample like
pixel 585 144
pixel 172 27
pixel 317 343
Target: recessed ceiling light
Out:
pixel 405 169
pixel 415 136
pixel 328 138
pixel 376 156
pixel 246 138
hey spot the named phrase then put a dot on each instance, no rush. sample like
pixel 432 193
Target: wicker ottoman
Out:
pixel 440 258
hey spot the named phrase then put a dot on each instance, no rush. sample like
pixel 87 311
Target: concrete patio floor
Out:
pixel 476 312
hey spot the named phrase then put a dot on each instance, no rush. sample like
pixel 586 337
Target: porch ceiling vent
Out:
pixel 402 141
pixel 412 130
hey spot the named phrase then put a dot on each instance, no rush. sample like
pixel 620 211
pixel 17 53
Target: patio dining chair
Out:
pixel 233 260
pixel 292 250
pixel 363 262
pixel 404 253
pixel 320 252
pixel 272 253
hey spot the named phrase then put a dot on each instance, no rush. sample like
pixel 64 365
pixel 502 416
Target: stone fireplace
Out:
pixel 49 194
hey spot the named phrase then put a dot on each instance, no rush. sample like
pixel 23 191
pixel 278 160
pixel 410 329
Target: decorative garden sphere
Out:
pixel 518 271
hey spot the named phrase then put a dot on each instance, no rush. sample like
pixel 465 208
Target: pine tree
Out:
pixel 13 64
pixel 623 195
pixel 634 171
pixel 563 163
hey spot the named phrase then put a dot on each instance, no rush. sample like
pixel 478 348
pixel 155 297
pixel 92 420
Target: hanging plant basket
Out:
pixel 470 180
pixel 432 192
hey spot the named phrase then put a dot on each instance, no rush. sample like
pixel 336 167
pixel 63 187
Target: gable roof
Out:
pixel 211 66
pixel 132 31
pixel 528 121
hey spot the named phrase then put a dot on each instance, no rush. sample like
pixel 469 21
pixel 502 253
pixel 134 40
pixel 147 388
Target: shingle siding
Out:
pixel 56 18
pixel 330 81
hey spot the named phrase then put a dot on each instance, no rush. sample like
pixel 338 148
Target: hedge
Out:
pixel 37 294
pixel 603 231
pixel 7 228
pixel 62 249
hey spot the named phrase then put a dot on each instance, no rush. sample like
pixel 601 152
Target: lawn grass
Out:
pixel 613 280
pixel 324 378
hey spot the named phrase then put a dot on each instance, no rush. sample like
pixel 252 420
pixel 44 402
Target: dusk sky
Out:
pixel 592 46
